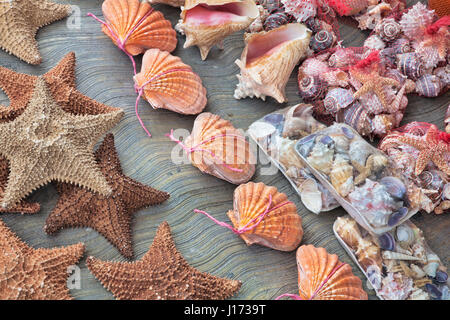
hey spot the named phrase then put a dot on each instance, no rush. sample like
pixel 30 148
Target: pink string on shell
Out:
pixel 140 92
pixel 197 147
pixel 257 220
pixel 297 297
pixel 121 44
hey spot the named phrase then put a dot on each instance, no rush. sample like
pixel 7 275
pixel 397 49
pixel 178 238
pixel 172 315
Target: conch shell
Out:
pixel 280 229
pixel 169 83
pixel 217 148
pixel 268 60
pixel 321 276
pixel 207 22
pixel 341 175
pixel 137 26
pixel 173 3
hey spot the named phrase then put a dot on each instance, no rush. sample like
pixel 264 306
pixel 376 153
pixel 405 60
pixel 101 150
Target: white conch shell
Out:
pixel 207 22
pixel 391 255
pixel 268 60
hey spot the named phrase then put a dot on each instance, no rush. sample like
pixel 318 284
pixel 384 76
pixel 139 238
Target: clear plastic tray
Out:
pixel 338 157
pixel 415 279
pixel 276 135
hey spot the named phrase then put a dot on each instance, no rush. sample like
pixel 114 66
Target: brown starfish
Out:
pixel 372 82
pixel 110 216
pixel 19 22
pixel 60 80
pixel 37 274
pixel 47 143
pixel 431 148
pixel 161 274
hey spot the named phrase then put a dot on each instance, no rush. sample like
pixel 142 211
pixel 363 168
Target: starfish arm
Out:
pixel 18 38
pixel 107 155
pixel 72 210
pixel 137 196
pixel 55 263
pixel 78 166
pixel 113 221
pixel 45 12
pixel 25 177
pixel 18 87
pixel 10 244
pixel 79 104
pixel 439 160
pixel 422 161
pixel 89 128
pixel 23 207
pixel 64 71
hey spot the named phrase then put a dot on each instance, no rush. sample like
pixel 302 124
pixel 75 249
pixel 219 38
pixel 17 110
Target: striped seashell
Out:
pixel 388 57
pixel 313 67
pixel 342 58
pixel 337 98
pixel 312 88
pixel 275 20
pixel 322 40
pixel 400 46
pixel 357 117
pixel 271 5
pixel 444 74
pixel 374 42
pixel 414 21
pixel 429 85
pixel 321 276
pixel 313 24
pixel 281 229
pixel 388 29
pixel 410 65
pixel 396 75
pixel 137 26
pixel 169 83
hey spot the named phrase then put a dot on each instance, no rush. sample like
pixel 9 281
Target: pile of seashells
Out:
pixel 358 175
pixel 398 264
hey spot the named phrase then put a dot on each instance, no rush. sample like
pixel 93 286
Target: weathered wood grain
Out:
pixel 105 74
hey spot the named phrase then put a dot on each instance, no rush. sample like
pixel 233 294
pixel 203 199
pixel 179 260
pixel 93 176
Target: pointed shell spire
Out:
pixel 268 60
pixel 207 22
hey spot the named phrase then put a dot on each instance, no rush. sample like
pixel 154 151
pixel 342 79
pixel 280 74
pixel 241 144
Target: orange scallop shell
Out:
pixel 280 229
pixel 321 276
pixel 154 31
pixel 174 86
pixel 230 152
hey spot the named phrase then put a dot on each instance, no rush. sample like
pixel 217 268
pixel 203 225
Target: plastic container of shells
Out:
pixel 276 134
pixel 399 265
pixel 359 176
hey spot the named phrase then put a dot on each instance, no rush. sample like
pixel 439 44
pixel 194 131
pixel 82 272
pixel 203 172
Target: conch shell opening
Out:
pixel 268 60
pixel 207 22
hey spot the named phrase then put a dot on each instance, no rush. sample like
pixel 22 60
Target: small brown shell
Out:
pixel 219 137
pixel 281 229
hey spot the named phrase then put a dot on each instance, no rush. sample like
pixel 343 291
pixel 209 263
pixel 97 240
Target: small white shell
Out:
pixel 432 265
pixel 311 196
pixel 391 255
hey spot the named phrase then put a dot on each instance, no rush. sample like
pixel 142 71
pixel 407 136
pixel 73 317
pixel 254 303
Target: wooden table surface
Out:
pixel 104 73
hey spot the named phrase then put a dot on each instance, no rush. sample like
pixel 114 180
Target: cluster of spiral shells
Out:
pixel 275 13
pixel 325 81
pixel 416 48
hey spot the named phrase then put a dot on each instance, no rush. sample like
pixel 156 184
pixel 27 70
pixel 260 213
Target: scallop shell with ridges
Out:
pixel 207 22
pixel 173 85
pixel 268 60
pixel 280 229
pixel 145 28
pixel 173 3
pixel 230 149
pixel 321 276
